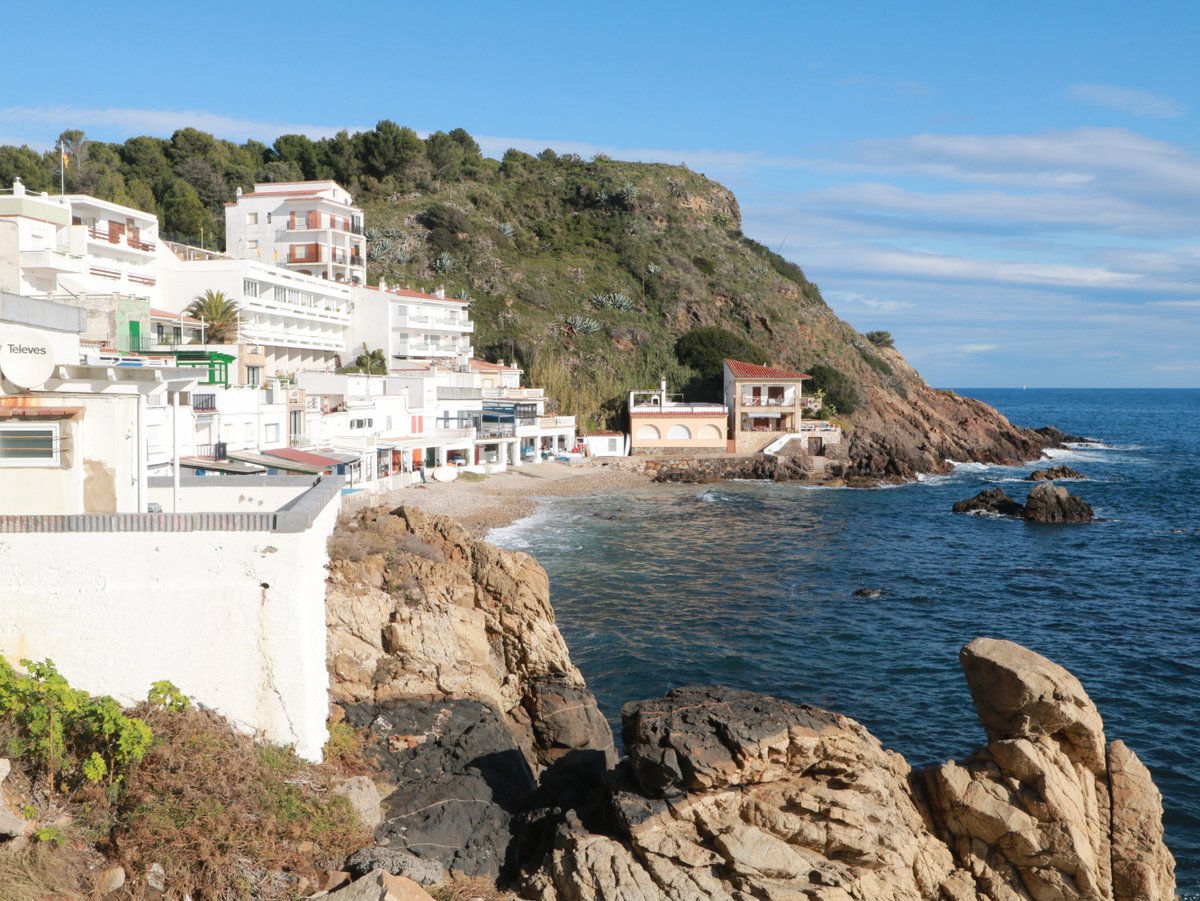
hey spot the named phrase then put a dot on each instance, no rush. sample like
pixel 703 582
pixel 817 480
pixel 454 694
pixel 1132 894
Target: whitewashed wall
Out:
pixel 235 619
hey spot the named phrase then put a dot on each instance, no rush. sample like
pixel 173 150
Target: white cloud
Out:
pixel 1125 100
pixel 976 348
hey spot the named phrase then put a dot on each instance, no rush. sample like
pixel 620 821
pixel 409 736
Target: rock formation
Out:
pixel 1054 472
pixel 728 794
pixel 446 656
pixel 443 650
pixel 1047 502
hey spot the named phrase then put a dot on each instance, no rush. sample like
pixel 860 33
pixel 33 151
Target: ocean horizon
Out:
pixel 752 584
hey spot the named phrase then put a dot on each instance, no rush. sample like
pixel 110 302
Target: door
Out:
pixel 135 335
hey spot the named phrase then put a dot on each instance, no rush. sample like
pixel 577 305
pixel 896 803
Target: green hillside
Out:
pixel 586 272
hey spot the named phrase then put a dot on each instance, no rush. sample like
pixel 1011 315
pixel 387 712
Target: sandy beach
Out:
pixel 488 502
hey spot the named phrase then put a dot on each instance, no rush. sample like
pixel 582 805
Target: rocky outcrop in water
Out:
pixel 723 793
pixel 1047 503
pixel 728 794
pixel 1054 472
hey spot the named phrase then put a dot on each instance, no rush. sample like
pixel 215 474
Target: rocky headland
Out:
pixel 493 760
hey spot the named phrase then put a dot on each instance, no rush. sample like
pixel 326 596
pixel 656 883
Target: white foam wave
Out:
pixel 518 535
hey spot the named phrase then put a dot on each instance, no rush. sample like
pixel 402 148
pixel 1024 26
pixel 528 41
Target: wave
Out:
pixel 519 535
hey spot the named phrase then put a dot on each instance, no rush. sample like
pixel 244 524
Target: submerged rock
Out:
pixel 1054 472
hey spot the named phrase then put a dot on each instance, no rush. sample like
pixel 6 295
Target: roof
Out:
pixel 231 466
pixel 174 317
pixel 271 462
pixel 322 459
pixel 741 370
pixel 485 365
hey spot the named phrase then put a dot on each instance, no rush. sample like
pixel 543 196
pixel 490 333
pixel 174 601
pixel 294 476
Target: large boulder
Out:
pixel 1051 503
pixel 993 500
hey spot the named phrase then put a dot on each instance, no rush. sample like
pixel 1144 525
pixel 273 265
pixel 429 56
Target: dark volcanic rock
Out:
pixel 1054 472
pixel 1057 438
pixel 994 500
pixel 1049 503
pixel 867 592
pixel 460 779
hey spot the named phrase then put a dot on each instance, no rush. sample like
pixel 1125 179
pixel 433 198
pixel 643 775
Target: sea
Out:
pixel 752 584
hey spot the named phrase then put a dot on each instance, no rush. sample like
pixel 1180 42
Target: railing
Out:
pixel 106 273
pixel 459 393
pixel 768 402
pixel 142 279
pixel 553 422
pixel 114 237
pixel 204 452
pixel 204 403
pixel 497 430
pixel 299 441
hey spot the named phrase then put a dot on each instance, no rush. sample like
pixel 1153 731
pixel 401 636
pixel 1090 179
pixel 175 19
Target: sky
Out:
pixel 1012 190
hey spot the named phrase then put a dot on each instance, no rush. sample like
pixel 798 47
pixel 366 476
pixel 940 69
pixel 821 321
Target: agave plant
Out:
pixel 464 294
pixel 401 256
pixel 443 262
pixel 373 234
pixel 620 302
pixel 653 268
pixel 582 325
pixel 379 248
pixel 507 229
pixel 393 232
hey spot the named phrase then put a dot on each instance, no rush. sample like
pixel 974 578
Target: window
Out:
pixel 271 433
pixel 648 433
pixel 254 376
pixel 361 423
pixel 252 218
pixel 24 444
pixel 612 445
pixel 679 433
pixel 252 244
pixel 250 288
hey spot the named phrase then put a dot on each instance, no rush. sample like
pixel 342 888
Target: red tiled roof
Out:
pixel 740 370
pixel 299 456
pixel 419 295
pixel 484 364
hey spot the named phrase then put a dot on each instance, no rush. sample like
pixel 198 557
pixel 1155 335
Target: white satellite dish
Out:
pixel 26 358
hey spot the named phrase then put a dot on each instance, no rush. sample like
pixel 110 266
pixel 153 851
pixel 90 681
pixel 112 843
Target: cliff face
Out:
pixel 445 653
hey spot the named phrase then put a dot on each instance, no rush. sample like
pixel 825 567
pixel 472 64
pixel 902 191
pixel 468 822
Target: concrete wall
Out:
pixel 229 494
pixel 235 619
pixel 712 428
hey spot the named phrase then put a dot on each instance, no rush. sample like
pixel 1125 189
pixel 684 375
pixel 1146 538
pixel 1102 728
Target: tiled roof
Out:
pixel 485 365
pixel 299 456
pixel 740 370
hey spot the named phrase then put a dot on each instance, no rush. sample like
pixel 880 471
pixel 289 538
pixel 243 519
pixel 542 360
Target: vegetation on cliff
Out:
pixel 585 272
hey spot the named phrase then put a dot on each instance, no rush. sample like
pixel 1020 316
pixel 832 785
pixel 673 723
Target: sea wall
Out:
pixel 236 619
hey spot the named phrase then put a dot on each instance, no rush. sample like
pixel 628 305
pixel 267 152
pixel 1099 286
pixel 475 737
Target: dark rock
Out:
pixel 1050 503
pixel 694 739
pixel 1054 472
pixel 867 593
pixel 1057 438
pixel 994 500
pixel 460 779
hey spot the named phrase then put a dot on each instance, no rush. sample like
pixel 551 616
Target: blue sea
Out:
pixel 752 585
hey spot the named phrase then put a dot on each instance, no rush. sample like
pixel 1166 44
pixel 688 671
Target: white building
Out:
pixel 301 322
pixel 310 228
pixel 411 325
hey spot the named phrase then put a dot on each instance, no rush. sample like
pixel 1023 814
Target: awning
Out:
pixel 231 466
pixel 761 414
pixel 277 463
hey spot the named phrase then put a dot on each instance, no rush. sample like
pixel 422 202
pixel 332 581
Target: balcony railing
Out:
pixel 204 403
pixel 768 402
pixel 497 430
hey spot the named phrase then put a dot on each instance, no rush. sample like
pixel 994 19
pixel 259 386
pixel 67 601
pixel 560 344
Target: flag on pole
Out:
pixel 66 160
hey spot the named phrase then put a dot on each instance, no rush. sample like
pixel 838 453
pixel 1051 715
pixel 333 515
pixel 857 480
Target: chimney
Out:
pixel 440 292
pixel 239 191
pixel 18 188
pixel 662 387
pixel 382 285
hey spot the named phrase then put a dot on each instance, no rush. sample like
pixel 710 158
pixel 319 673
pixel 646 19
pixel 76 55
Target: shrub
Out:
pixel 876 363
pixel 705 265
pixel 881 339
pixel 839 389
pixel 704 349
pixel 65 734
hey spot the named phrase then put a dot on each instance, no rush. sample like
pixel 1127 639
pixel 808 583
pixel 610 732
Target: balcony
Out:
pixel 767 401
pixel 459 393
pixel 120 238
pixel 556 422
pixel 497 430
pixel 204 403
pixel 52 261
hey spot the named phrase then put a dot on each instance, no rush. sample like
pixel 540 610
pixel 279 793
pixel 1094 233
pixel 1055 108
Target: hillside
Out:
pixel 584 272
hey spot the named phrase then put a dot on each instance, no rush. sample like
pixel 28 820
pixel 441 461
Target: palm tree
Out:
pixel 220 314
pixel 370 362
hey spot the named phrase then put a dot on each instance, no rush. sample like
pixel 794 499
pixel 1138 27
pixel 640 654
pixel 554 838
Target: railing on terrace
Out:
pixel 299 441
pixel 204 403
pixel 551 422
pixel 768 402
pixel 115 238
pixel 497 430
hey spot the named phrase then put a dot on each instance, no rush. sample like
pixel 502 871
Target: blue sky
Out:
pixel 1012 191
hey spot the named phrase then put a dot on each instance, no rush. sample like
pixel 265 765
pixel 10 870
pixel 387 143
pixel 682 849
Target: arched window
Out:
pixel 679 433
pixel 648 432
pixel 709 433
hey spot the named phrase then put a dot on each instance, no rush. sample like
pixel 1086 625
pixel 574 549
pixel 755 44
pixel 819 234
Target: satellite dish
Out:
pixel 26 358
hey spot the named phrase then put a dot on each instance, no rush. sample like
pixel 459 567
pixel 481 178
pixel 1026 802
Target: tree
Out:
pixel 184 214
pixel 881 339
pixel 704 349
pixel 221 314
pixel 391 150
pixel 445 155
pixel 369 362
pixel 838 389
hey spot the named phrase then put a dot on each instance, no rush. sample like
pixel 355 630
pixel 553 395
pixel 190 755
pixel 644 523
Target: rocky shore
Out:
pixel 493 760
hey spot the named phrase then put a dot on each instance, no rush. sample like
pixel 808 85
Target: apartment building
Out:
pixel 411 325
pixel 309 228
